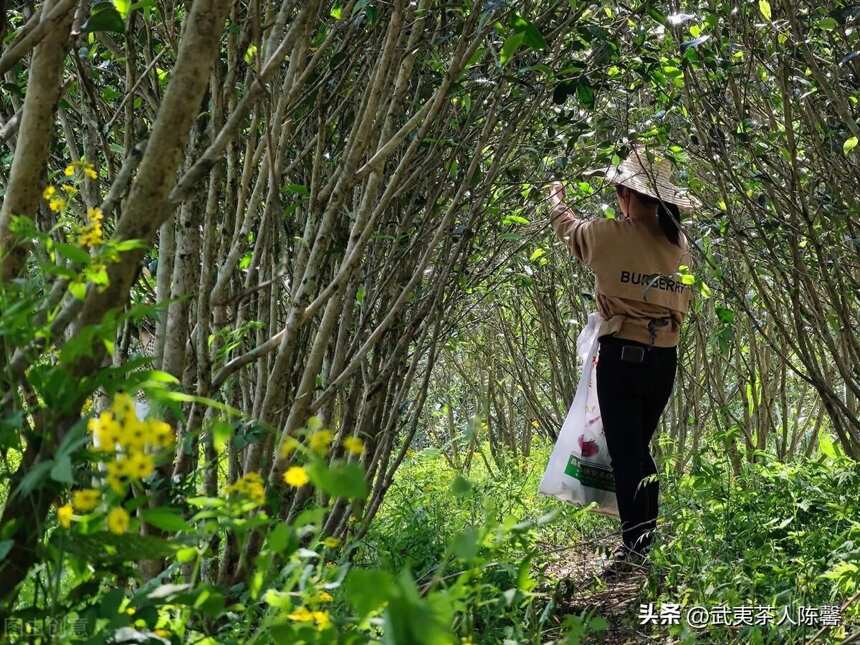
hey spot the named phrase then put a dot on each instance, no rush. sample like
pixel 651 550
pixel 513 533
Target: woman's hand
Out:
pixel 556 193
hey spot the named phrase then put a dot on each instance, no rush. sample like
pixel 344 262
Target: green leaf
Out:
pixel 510 47
pixel 704 290
pixel 104 17
pixel 726 315
pixel 78 290
pixel 143 4
pixel 190 398
pixel 104 546
pixel 34 477
pixel 128 245
pixel 210 602
pixel 475 57
pixel 73 253
pixel 310 516
pixel 298 189
pixel 825 445
pixel 73 440
pixel 538 252
pixel 186 555
pixel 62 470
pixel 828 23
pixel 461 486
pixel 368 589
pixel 584 93
pixel 277 599
pixel 514 219
pixel 764 7
pixel 849 145
pixel 279 537
pixel 221 434
pixel 5 547
pixel 532 37
pixel 158 376
pixel 340 480
pixel 524 580
pixel 167 519
pixel 465 545
pixel 123 7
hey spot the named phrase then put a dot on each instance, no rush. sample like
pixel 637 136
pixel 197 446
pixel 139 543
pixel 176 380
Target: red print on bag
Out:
pixel 587 447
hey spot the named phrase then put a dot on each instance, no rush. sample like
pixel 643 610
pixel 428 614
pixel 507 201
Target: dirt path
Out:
pixel 577 588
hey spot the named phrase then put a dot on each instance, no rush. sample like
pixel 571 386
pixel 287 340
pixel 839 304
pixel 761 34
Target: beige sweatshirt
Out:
pixel 626 258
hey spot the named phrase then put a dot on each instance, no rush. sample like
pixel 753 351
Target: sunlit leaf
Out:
pixel 510 47
pixel 104 17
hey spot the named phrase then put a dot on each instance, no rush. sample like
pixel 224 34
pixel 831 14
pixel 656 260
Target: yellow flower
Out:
pixel 90 237
pixel 89 171
pixel 120 467
pixel 85 500
pixel 116 483
pixel 321 618
pixel 134 434
pixel 117 520
pixel 288 446
pixel 122 406
pixel 69 171
pixel 331 542
pixel 105 431
pixel 48 192
pixel 319 441
pixel 302 615
pixel 323 596
pixel 535 423
pixel 118 474
pixel 64 515
pixel 253 477
pixel 91 234
pixel 70 190
pixel 251 486
pixel 354 445
pixel 160 433
pixel 57 204
pixel 257 493
pixel 95 214
pixel 296 476
pixel 140 465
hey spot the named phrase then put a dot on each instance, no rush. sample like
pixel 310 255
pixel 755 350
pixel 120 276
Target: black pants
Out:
pixel 632 397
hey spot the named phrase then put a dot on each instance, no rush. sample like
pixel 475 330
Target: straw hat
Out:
pixel 643 176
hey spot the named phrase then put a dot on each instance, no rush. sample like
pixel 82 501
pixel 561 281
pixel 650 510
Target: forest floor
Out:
pixel 576 586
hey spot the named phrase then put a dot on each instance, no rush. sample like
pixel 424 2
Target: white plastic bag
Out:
pixel 579 469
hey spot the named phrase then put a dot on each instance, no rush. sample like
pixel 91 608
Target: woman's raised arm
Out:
pixel 570 229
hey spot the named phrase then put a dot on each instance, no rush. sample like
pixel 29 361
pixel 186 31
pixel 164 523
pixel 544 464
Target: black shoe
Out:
pixel 624 561
pixel 618 565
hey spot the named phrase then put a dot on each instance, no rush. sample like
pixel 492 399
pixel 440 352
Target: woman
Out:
pixel 637 261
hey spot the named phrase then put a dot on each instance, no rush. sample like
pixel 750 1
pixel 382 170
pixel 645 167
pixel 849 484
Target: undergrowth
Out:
pixel 777 535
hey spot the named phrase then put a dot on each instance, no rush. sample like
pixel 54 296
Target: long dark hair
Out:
pixel 668 215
